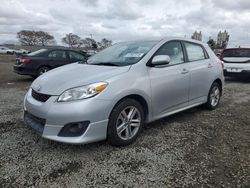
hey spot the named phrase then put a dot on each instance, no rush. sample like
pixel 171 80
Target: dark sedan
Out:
pixel 41 61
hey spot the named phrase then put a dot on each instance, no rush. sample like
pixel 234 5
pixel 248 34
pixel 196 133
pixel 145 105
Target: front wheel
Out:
pixel 214 96
pixel 125 123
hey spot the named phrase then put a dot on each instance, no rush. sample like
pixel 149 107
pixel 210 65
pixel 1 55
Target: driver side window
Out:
pixel 173 50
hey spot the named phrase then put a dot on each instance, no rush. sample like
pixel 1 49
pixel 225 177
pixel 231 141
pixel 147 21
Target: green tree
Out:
pixel 104 43
pixel 73 40
pixel 31 38
pixel 212 44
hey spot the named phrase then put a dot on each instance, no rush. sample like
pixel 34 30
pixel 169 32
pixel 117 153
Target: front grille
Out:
pixel 39 96
pixel 34 122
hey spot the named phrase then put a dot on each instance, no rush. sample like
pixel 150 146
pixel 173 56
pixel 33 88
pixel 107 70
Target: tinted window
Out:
pixel 236 53
pixel 194 51
pixel 58 54
pixel 76 56
pixel 173 50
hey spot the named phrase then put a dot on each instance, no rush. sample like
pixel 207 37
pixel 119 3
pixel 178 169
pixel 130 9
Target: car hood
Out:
pixel 58 80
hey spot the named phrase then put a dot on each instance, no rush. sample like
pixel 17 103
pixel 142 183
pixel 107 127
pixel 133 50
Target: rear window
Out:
pixel 194 51
pixel 237 53
pixel 35 53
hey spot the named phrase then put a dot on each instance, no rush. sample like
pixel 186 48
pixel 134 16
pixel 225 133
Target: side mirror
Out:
pixel 160 60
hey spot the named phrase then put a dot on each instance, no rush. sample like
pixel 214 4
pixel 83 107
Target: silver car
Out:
pixel 118 90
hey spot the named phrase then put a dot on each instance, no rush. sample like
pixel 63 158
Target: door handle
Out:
pixel 184 71
pixel 210 65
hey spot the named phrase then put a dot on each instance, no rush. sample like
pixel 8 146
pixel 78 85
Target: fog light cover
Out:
pixel 74 129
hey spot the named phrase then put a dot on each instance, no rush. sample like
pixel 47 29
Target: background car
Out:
pixel 21 51
pixel 43 60
pixel 5 50
pixel 236 62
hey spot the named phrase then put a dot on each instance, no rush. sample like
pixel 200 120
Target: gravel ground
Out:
pixel 195 148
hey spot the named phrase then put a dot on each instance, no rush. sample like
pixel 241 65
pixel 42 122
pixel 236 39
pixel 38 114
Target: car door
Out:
pixel 170 83
pixel 200 69
pixel 57 58
pixel 2 50
pixel 75 57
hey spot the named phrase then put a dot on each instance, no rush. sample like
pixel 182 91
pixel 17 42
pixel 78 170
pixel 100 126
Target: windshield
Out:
pixel 37 52
pixel 122 54
pixel 237 53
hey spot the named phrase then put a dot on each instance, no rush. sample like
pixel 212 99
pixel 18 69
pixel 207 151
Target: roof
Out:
pixel 237 49
pixel 157 39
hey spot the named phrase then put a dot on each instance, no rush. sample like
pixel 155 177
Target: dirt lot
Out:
pixel 195 148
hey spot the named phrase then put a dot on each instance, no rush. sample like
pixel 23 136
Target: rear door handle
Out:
pixel 184 71
pixel 210 65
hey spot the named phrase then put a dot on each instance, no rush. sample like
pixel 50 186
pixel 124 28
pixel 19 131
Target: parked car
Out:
pixel 236 62
pixel 20 51
pixel 5 50
pixel 121 88
pixel 43 60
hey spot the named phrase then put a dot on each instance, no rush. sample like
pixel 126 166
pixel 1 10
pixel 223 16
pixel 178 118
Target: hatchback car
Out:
pixel 236 61
pixel 118 90
pixel 43 60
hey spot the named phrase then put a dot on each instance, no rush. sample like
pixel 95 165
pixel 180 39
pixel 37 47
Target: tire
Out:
pixel 42 70
pixel 214 95
pixel 130 127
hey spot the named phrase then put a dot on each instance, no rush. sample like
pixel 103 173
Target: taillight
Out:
pixel 25 60
pixel 222 64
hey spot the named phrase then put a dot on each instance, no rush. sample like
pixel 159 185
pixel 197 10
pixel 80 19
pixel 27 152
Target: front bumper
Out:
pixel 57 115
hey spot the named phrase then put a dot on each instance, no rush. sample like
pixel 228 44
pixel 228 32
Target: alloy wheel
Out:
pixel 128 123
pixel 43 70
pixel 215 96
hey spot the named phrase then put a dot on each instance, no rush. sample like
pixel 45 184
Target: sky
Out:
pixel 121 20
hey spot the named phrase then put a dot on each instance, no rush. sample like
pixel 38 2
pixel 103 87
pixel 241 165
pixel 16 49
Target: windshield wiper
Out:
pixel 105 64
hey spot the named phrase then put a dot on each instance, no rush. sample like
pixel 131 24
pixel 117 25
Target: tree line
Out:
pixel 32 38
pixel 41 38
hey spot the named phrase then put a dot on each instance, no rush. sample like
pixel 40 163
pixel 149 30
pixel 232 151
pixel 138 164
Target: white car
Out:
pixel 21 51
pixel 236 62
pixel 5 50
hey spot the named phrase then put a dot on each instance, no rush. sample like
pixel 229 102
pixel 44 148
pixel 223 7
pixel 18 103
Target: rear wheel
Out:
pixel 125 123
pixel 43 70
pixel 214 95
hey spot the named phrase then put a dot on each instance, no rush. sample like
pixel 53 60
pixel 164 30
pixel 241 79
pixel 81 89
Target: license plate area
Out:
pixel 234 69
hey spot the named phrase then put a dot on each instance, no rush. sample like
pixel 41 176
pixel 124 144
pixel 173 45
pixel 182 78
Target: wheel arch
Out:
pixel 41 66
pixel 218 80
pixel 138 98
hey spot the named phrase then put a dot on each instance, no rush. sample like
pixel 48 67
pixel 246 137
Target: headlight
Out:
pixel 82 92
